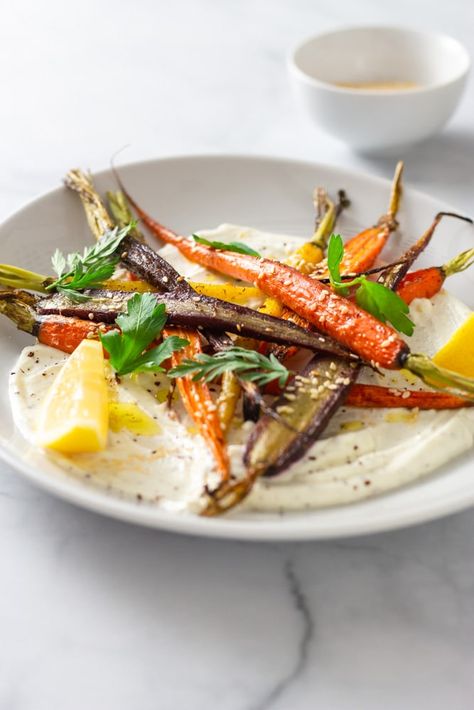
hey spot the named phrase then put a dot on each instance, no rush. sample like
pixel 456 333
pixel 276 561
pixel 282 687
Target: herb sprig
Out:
pixel 238 247
pixel 248 364
pixel 90 269
pixel 383 303
pixel 140 326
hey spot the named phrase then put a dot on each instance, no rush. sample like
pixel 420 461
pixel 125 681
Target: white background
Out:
pixel 98 614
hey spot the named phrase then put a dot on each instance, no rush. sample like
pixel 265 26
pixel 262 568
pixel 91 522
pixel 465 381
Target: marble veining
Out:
pixel 97 614
pixel 300 605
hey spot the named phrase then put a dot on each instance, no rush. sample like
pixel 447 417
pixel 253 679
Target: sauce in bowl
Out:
pixel 378 85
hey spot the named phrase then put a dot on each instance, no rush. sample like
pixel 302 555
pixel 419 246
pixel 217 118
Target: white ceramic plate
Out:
pixel 192 193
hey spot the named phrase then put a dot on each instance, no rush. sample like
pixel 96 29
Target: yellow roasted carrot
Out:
pixel 227 291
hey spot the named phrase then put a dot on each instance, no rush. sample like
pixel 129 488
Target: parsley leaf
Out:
pixel 375 298
pixel 59 263
pixel 385 305
pixel 335 256
pixel 247 364
pixel 151 360
pixel 238 247
pixel 140 325
pixel 76 272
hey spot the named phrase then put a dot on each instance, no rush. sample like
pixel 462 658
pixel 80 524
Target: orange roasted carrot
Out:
pixel 389 397
pixel 426 283
pixel 65 333
pixel 57 331
pixel 198 401
pixel 333 314
pixel 236 267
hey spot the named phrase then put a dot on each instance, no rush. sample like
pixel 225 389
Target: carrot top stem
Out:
pixel 326 222
pixel 396 191
pixel 14 277
pixel 438 377
pixel 120 209
pixel 459 263
pixel 320 197
pixel 326 225
pixel 97 216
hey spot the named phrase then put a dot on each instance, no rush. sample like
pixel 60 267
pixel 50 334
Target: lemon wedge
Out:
pixel 458 353
pixel 74 415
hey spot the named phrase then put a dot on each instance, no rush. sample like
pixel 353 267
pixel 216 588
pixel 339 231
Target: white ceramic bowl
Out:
pixel 379 120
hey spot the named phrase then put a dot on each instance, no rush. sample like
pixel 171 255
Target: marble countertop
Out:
pixel 99 614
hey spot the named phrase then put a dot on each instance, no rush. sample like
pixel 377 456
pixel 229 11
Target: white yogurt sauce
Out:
pixel 362 452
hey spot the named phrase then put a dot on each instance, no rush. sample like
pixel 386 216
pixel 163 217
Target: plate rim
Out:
pixel 300 528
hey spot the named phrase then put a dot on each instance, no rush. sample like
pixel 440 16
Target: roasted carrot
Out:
pixel 198 401
pixel 426 283
pixel 66 333
pixel 233 293
pixel 306 257
pixel 57 331
pixel 333 314
pixel 371 396
pixel 391 277
pixel 228 398
pixel 230 292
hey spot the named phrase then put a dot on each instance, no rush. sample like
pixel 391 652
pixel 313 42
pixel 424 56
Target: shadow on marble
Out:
pixel 439 164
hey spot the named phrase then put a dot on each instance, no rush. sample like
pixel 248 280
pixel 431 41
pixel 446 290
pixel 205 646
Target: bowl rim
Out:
pixel 302 75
